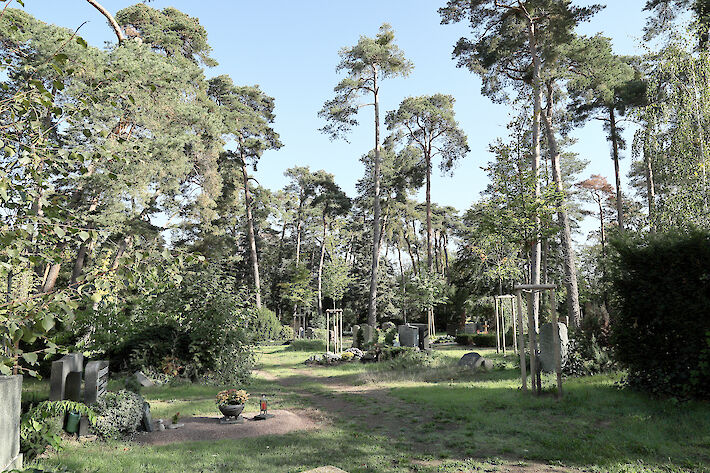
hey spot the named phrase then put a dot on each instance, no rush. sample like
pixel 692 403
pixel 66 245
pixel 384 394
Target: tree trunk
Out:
pixel 372 298
pixel 299 226
pixel 429 229
pixel 320 267
pixel 401 272
pixel 252 238
pixel 535 165
pixel 569 262
pixel 111 20
pixel 615 157
pixel 650 187
pixel 601 225
pixel 411 253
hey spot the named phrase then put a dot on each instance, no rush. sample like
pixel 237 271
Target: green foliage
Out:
pixel 118 414
pixel 265 326
pixel 477 339
pixel 661 300
pixel 336 278
pixel 307 345
pixel 390 336
pixel 39 426
pixel 402 358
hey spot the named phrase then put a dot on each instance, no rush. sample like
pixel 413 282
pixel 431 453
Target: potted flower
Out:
pixel 231 402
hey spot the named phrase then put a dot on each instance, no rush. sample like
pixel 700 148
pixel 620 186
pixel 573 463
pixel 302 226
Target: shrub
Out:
pixel 477 339
pixel 390 336
pixel 348 356
pixel 118 414
pixel 661 302
pixel 406 357
pixel 265 325
pixel 307 345
pixel 40 426
pixel 286 333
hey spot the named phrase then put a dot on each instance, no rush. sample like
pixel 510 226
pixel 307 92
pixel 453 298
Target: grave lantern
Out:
pixel 263 407
pixel 263 404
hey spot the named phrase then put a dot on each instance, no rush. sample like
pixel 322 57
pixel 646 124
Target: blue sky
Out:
pixel 290 49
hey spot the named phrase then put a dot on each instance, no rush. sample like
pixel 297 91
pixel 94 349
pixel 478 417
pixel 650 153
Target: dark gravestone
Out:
pixel 408 336
pixel 423 336
pixel 147 419
pixel 60 369
pixel 356 329
pixel 96 381
pixel 72 386
pixel 144 381
pixel 475 361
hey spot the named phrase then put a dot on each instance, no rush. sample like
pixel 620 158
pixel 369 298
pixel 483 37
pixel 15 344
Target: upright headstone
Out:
pixel 470 328
pixel 547 353
pixel 95 381
pixel 10 395
pixel 424 342
pixel 310 333
pixel 72 386
pixel 368 333
pixel 356 329
pixel 408 336
pixel 60 369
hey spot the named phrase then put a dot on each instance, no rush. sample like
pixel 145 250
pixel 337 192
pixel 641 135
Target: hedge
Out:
pixel 661 319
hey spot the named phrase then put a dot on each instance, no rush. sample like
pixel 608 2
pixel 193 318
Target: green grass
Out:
pixel 473 422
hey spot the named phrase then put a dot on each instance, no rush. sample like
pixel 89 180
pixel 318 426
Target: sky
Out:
pixel 290 48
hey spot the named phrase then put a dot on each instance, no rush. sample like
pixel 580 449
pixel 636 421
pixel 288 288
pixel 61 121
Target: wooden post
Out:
pixel 521 341
pixel 502 324
pixel 495 309
pixel 340 313
pixel 327 331
pixel 532 344
pixel 514 315
pixel 556 343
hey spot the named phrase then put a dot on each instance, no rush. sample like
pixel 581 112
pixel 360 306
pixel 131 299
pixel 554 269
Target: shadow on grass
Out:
pixel 594 424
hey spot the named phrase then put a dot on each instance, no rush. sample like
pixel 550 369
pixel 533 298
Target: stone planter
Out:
pixel 231 410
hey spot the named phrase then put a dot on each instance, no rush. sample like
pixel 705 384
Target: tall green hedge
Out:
pixel 661 321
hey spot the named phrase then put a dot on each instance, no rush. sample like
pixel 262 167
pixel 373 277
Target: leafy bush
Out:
pixel 348 356
pixel 406 357
pixel 390 335
pixel 587 357
pixel 286 332
pixel 477 339
pixel 265 325
pixel 307 345
pixel 118 414
pixel 661 302
pixel 40 425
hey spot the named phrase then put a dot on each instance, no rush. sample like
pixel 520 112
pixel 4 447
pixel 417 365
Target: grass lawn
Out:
pixel 434 419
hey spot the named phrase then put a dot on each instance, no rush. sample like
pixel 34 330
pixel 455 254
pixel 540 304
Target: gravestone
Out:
pixel 72 386
pixel 424 342
pixel 147 419
pixel 470 328
pixel 310 333
pixel 96 381
pixel 387 326
pixel 547 354
pixel 368 333
pixel 72 362
pixel 10 395
pixel 475 361
pixel 144 380
pixel 356 329
pixel 408 336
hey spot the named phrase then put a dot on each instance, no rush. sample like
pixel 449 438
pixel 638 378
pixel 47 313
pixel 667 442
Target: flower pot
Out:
pixel 231 410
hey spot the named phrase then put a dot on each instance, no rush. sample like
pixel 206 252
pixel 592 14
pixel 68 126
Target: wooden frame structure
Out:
pixel 531 289
pixel 430 322
pixel 499 306
pixel 336 321
pixel 299 322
